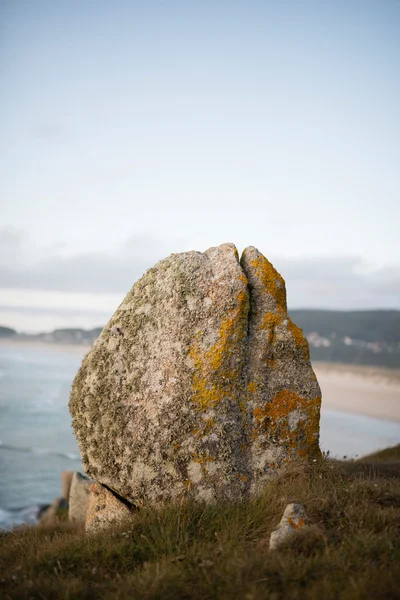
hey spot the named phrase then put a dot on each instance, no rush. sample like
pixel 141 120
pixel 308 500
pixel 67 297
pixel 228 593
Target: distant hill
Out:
pixel 368 337
pixel 367 325
pixel 84 337
pixel 7 332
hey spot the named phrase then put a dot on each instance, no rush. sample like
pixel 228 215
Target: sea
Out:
pixel 37 441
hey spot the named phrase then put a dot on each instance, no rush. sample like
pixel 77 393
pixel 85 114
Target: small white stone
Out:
pixel 293 520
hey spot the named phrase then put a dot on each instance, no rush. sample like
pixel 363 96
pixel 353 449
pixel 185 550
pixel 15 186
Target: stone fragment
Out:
pixel 294 519
pixel 66 479
pixel 57 511
pixel 79 498
pixel 104 509
pixel 199 386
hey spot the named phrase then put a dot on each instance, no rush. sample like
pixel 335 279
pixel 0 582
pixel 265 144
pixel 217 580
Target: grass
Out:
pixel 195 552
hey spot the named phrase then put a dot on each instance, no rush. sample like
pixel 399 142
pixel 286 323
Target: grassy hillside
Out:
pixel 352 551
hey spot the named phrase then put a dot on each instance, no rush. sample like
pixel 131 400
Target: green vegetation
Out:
pixel 351 552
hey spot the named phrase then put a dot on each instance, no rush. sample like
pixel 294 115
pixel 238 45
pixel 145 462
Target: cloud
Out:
pixel 22 266
pixel 314 282
pixel 340 283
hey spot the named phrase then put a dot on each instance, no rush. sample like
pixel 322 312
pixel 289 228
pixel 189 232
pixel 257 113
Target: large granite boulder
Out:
pixel 200 385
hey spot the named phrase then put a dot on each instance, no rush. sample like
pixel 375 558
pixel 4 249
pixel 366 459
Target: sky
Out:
pixel 131 130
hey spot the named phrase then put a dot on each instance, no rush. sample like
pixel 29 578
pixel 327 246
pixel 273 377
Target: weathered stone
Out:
pixel 66 479
pixel 294 519
pixel 284 397
pixel 57 511
pixel 79 498
pixel 199 385
pixel 104 509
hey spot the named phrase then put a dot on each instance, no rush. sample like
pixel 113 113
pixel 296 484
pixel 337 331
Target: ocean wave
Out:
pixel 39 451
pixel 28 515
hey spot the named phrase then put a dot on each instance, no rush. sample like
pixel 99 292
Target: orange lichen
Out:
pixel 271 320
pixel 251 387
pixel 296 524
pixel 216 374
pixel 299 338
pixel 271 279
pixel 272 420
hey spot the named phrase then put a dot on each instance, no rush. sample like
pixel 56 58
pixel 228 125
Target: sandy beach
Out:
pixel 368 391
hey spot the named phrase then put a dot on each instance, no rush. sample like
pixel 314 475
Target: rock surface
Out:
pixel 79 498
pixel 66 480
pixel 294 519
pixel 199 385
pixel 57 511
pixel 104 509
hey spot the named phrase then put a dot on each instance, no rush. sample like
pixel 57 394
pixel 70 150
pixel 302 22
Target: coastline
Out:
pixel 356 389
pixel 68 348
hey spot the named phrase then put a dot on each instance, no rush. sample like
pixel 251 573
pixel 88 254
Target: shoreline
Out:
pixel 355 389
pixel 368 391
pixel 58 347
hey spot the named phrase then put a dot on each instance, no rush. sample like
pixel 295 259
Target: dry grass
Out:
pixel 196 552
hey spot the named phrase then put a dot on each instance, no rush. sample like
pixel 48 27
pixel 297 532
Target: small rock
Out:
pixel 58 511
pixel 66 479
pixel 104 509
pixel 79 498
pixel 294 519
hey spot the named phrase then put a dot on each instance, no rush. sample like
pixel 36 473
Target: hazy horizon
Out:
pixel 132 131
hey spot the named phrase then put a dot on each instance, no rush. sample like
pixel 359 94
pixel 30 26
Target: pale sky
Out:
pixel 130 130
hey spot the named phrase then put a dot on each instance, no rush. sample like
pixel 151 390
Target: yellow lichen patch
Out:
pixel 272 420
pixel 216 373
pixel 236 253
pixel 299 338
pixel 271 279
pixel 251 387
